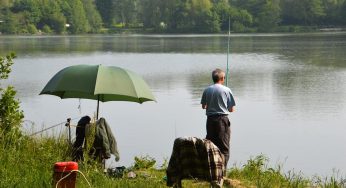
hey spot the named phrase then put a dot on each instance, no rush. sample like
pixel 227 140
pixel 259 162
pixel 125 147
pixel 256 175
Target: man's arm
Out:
pixel 204 100
pixel 231 103
pixel 232 109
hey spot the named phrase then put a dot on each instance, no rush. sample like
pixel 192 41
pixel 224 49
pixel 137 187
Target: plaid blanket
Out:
pixel 215 161
pixel 194 158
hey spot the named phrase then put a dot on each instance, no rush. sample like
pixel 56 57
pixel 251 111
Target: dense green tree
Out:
pixel 178 21
pixel 5 3
pixel 9 22
pixel 266 13
pixel 30 8
pixel 157 14
pixel 56 22
pixel 244 17
pixel 198 16
pixel 107 11
pixel 77 20
pixel 343 13
pixel 223 9
pixel 52 16
pixel 331 8
pixel 240 19
pixel 252 6
pixel 167 9
pixel 269 16
pixel 92 15
pixel 202 18
pixel 194 16
pixel 126 11
pixel 150 13
pixel 316 11
pixel 306 12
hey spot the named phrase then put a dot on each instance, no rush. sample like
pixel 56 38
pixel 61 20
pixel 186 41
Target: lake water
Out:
pixel 290 92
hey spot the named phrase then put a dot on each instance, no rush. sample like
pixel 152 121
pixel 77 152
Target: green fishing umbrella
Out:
pixel 97 82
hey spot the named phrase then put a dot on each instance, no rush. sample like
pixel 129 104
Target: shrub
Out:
pixel 144 162
pixel 46 29
pixel 11 116
pixel 238 27
pixel 32 29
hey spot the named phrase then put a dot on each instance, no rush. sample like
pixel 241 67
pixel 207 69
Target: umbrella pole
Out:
pixel 98 104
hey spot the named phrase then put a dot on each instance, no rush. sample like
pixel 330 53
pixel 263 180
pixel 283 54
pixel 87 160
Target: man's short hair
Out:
pixel 217 75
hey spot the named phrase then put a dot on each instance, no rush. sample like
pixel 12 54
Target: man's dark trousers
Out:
pixel 219 132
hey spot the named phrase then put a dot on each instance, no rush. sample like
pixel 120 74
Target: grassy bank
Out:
pixel 28 162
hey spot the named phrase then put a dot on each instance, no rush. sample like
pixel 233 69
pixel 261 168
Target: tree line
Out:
pixel 168 16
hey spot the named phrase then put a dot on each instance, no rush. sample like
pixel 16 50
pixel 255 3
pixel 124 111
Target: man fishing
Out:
pixel 218 101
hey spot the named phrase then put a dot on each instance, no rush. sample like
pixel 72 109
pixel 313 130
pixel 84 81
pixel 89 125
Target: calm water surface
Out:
pixel 290 92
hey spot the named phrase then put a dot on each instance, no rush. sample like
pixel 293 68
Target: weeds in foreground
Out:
pixel 28 162
pixel 256 173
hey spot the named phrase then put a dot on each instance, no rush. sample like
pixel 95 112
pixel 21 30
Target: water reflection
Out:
pixel 311 91
pixel 290 91
pixel 318 49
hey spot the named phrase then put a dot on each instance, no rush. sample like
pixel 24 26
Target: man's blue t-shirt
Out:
pixel 218 99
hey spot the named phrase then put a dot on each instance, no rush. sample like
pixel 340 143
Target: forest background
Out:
pixel 169 16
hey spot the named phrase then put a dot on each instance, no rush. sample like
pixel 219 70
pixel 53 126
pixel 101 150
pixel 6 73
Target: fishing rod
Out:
pixel 229 37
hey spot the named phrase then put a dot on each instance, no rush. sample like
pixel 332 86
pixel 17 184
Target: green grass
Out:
pixel 28 162
pixel 257 173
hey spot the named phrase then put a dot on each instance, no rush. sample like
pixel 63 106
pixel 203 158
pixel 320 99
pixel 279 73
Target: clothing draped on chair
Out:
pixel 195 158
pixel 101 139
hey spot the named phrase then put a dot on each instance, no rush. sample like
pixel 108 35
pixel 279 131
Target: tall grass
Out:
pixel 257 173
pixel 28 162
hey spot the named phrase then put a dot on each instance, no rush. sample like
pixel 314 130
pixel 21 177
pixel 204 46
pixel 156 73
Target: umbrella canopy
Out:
pixel 101 83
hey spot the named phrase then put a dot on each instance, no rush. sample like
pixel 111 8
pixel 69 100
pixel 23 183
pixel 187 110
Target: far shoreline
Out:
pixel 323 31
pixel 280 30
